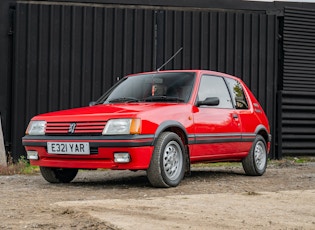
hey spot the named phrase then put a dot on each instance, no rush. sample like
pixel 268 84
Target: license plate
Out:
pixel 79 148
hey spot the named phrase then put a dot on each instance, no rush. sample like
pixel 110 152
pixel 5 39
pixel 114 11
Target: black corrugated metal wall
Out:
pixel 68 54
pixel 6 16
pixel 297 95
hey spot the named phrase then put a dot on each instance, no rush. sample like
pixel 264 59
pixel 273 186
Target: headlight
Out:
pixel 36 128
pixel 122 126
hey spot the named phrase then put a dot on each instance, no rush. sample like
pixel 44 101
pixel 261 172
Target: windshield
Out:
pixel 157 87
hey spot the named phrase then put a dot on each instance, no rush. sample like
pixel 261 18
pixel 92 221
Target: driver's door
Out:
pixel 217 127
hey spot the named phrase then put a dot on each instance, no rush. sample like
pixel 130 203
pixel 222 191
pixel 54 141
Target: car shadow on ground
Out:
pixel 129 179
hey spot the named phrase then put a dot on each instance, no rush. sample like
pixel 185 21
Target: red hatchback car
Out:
pixel 161 122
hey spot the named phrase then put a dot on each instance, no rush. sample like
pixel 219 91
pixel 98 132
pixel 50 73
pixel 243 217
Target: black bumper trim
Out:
pixel 94 141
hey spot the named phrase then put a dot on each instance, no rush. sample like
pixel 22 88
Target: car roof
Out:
pixel 210 72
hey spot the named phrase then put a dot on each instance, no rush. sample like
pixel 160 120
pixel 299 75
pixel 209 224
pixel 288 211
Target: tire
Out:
pixel 167 166
pixel 58 175
pixel 255 163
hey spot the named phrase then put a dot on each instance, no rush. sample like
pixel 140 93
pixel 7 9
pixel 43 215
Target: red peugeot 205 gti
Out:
pixel 161 122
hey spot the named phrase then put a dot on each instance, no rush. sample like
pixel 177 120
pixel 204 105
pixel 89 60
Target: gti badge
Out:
pixel 72 127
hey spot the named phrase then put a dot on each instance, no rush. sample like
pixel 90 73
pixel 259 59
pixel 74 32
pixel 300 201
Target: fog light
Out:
pixel 121 157
pixel 32 155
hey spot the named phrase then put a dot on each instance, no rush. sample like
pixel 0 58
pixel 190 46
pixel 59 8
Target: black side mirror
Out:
pixel 209 101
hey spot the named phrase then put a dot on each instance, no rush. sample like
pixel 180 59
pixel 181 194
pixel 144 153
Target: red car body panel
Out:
pixel 210 134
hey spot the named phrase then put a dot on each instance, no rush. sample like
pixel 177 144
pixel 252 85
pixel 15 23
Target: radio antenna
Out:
pixel 180 49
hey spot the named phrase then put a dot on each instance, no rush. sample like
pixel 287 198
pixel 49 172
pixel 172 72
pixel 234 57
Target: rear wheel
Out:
pixel 255 163
pixel 58 175
pixel 167 166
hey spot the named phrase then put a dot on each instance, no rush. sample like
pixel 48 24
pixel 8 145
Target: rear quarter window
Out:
pixel 237 93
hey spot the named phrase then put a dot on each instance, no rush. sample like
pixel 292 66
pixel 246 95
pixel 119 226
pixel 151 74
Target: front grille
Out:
pixel 75 128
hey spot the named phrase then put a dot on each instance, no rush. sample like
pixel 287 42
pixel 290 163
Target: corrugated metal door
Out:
pixel 241 44
pixel 238 43
pixel 67 55
pixel 297 97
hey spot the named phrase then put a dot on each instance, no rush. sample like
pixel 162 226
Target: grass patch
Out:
pixel 287 161
pixel 21 167
pixel 216 164
pixel 301 159
pixel 284 161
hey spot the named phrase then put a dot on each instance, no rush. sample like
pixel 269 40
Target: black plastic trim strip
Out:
pixel 95 141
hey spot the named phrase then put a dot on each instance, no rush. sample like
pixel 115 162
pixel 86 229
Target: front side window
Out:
pixel 237 92
pixel 213 86
pixel 154 87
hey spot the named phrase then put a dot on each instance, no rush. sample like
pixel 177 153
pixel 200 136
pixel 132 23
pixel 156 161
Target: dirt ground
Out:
pixel 211 198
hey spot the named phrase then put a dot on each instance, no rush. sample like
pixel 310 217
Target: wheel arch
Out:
pixel 262 131
pixel 179 129
pixel 172 126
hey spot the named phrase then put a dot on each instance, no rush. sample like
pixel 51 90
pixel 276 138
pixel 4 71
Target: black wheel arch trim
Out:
pixel 172 124
pixel 260 128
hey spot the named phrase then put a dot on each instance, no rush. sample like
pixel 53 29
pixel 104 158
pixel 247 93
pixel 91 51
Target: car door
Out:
pixel 217 127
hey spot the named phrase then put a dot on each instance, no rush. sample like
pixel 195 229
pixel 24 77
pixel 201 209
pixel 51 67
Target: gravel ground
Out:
pixel 211 198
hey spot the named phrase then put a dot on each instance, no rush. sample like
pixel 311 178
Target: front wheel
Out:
pixel 167 166
pixel 58 175
pixel 255 163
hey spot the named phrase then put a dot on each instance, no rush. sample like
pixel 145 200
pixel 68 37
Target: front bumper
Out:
pixel 102 149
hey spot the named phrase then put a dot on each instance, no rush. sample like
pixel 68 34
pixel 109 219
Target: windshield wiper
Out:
pixel 124 99
pixel 164 98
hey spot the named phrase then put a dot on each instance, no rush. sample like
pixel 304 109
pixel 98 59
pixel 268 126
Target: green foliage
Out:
pixel 282 162
pixel 216 164
pixel 21 167
pixel 238 90
pixel 301 159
